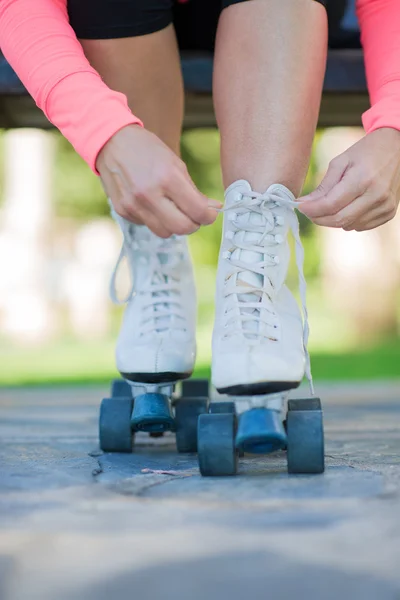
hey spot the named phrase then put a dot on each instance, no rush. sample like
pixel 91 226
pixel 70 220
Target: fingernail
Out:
pixel 214 203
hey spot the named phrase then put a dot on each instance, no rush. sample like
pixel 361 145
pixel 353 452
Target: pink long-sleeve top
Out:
pixel 40 45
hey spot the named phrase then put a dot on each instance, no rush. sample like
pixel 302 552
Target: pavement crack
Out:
pixel 138 485
pixel 98 470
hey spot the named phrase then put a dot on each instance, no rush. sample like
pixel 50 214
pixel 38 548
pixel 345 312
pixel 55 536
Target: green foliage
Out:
pixel 200 151
pixel 93 362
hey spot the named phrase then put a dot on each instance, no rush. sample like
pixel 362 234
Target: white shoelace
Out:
pixel 162 308
pixel 263 313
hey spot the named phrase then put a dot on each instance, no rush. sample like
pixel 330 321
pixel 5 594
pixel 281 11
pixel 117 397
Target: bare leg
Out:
pixel 147 70
pixel 269 66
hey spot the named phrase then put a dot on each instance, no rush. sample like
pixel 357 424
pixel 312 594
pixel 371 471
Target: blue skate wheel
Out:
pixel 152 413
pixel 187 413
pixel 216 444
pixel 120 389
pixel 115 432
pixel 216 408
pixel 305 432
pixel 221 407
pixel 195 388
pixel 260 431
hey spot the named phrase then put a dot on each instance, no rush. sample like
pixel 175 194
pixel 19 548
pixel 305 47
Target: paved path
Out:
pixel 78 525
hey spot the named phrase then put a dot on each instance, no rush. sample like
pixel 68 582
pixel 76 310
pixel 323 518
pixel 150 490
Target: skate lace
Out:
pixel 263 313
pixel 162 308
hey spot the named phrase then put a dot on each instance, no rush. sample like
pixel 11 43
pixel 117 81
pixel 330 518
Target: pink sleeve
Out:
pixel 380 35
pixel 40 45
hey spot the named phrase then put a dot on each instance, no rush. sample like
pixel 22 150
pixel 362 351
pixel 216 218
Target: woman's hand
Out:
pixel 361 189
pixel 148 184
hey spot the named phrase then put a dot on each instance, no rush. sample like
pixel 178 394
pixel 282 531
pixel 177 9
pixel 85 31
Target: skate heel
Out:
pixel 152 413
pixel 260 431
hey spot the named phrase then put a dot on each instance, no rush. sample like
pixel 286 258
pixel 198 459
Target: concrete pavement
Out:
pixel 75 523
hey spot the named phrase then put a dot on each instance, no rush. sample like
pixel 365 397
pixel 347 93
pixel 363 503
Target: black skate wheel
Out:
pixel 305 435
pixel 221 408
pixel 216 444
pixel 195 388
pixel 120 389
pixel 186 415
pixel 216 408
pixel 224 407
pixel 115 425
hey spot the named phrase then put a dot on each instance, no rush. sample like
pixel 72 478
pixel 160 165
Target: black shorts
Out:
pixel 195 20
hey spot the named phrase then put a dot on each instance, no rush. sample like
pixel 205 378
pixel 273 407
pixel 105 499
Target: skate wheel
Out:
pixel 260 431
pixel 120 389
pixel 221 408
pixel 216 444
pixel 195 388
pixel 305 431
pixel 115 425
pixel 186 415
pixel 216 408
pixel 152 413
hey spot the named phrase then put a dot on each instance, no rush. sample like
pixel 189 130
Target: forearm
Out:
pixel 380 34
pixel 40 45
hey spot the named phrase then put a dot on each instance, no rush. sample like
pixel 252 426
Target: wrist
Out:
pixel 388 136
pixel 114 140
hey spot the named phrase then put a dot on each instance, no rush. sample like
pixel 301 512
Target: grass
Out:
pixel 86 363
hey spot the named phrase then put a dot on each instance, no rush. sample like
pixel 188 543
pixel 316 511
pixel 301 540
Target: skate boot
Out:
pixel 258 338
pixel 156 346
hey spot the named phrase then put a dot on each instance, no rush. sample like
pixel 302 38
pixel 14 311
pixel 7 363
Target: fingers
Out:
pixel 160 214
pixel 189 200
pixel 341 195
pixel 361 213
pixel 154 224
pixel 374 217
pixel 172 218
pixel 347 208
pixel 336 171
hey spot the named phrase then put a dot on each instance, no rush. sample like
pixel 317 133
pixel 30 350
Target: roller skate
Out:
pixel 156 346
pixel 260 340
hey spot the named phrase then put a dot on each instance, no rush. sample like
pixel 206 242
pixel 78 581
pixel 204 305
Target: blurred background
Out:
pixel 58 246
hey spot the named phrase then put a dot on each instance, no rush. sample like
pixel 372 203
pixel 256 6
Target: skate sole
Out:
pixel 259 388
pixel 166 377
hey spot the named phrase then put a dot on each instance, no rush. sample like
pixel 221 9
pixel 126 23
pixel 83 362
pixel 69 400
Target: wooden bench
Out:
pixel 344 98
